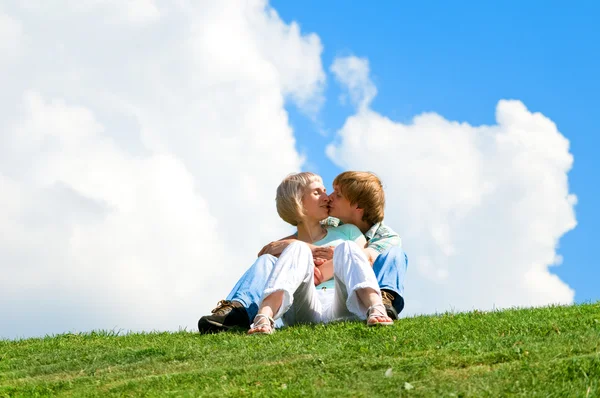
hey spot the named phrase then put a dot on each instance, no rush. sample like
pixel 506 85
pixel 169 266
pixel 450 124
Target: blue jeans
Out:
pixel 390 270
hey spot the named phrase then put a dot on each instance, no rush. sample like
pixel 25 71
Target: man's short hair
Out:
pixel 365 190
pixel 289 196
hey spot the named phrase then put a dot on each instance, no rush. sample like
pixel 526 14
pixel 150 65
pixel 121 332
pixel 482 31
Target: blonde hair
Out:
pixel 290 193
pixel 365 190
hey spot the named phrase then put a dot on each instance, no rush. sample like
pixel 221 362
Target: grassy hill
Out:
pixel 553 351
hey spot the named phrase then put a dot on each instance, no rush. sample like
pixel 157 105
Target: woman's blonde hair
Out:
pixel 289 196
pixel 365 190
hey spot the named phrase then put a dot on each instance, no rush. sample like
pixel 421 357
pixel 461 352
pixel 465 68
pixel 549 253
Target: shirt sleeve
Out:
pixel 384 240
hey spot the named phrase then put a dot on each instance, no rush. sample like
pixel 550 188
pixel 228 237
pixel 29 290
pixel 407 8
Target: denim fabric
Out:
pixel 390 269
pixel 248 290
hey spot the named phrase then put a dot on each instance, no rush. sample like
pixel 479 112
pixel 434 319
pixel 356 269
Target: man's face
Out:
pixel 340 207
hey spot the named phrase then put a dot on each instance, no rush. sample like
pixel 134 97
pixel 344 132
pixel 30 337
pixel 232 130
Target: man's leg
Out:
pixel 390 269
pixel 242 302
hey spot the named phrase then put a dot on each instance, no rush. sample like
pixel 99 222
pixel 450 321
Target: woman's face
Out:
pixel 316 201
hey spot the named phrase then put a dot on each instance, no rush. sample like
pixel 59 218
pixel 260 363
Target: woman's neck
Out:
pixel 311 231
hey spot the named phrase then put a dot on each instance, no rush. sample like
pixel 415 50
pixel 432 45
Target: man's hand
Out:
pixel 275 248
pixel 325 253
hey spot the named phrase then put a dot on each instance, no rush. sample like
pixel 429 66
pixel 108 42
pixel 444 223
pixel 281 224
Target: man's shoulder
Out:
pixel 381 238
pixel 381 229
pixel 386 228
pixel 378 230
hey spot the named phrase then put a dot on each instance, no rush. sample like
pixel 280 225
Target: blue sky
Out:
pixel 136 134
pixel 458 60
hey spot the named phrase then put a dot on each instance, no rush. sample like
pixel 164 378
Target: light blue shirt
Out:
pixel 335 236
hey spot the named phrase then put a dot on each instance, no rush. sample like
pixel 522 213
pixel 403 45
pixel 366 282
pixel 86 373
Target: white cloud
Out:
pixel 135 12
pixel 480 208
pixel 141 11
pixel 353 73
pixel 11 33
pixel 138 165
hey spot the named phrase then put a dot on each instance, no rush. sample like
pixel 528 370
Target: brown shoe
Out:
pixel 225 316
pixel 388 301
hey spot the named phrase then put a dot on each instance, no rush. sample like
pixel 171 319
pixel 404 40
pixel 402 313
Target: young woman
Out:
pixel 349 289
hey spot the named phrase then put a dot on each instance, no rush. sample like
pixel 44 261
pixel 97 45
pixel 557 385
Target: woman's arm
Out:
pixel 326 272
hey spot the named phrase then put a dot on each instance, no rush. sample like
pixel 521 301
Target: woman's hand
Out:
pixel 318 261
pixel 324 271
pixel 318 276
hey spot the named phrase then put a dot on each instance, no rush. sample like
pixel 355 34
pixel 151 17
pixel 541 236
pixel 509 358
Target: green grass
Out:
pixel 549 352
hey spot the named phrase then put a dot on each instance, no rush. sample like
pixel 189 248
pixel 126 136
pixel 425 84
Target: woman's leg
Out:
pixel 357 292
pixel 289 288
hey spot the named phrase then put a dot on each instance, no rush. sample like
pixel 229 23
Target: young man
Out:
pixel 358 199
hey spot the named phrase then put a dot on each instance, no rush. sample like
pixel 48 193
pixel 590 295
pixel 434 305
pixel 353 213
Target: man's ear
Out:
pixel 361 211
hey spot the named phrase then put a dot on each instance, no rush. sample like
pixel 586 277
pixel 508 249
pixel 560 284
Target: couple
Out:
pixel 324 272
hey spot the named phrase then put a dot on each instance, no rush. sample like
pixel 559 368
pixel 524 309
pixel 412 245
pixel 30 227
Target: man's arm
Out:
pixel 371 254
pixel 275 248
pixel 361 241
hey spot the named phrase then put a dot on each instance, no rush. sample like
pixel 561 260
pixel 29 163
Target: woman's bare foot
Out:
pixel 377 316
pixel 263 324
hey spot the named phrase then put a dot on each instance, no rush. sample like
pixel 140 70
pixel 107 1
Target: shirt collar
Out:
pixel 371 232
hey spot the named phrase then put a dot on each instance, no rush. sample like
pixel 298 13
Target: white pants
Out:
pixel 293 274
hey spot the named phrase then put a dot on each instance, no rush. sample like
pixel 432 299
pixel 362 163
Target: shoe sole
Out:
pixel 206 326
pixel 391 312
